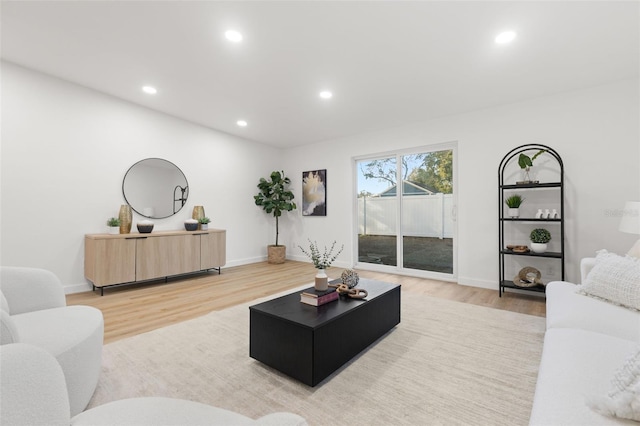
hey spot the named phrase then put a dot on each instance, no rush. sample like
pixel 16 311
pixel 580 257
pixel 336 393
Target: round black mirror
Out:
pixel 155 188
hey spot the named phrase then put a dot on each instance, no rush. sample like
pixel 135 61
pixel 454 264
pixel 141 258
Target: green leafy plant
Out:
pixel 274 196
pixel 514 201
pixel 525 161
pixel 540 235
pixel 324 260
pixel 204 220
pixel 113 221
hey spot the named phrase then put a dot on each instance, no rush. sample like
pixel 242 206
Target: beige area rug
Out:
pixel 446 363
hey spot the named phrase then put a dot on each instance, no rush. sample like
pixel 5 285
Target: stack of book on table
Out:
pixel 313 297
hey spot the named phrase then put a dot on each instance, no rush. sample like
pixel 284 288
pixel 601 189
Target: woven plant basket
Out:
pixel 276 254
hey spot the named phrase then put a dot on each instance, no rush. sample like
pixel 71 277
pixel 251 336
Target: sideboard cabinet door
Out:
pixel 213 250
pixel 165 256
pixel 110 261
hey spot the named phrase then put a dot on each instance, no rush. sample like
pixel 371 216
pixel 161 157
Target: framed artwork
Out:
pixel 314 193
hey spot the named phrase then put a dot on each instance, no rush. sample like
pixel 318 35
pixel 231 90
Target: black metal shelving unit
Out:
pixel 508 221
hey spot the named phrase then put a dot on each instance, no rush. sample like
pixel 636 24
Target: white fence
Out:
pixel 422 216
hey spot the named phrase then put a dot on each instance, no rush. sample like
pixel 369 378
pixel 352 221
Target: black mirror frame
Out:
pixel 180 194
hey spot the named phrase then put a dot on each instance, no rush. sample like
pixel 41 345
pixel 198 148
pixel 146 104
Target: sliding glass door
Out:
pixel 406 212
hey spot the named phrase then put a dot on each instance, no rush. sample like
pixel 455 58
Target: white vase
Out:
pixel 322 281
pixel 538 247
pixel 514 212
pixel 113 230
pixel 204 226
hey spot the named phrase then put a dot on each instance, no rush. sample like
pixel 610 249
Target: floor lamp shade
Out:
pixel 630 224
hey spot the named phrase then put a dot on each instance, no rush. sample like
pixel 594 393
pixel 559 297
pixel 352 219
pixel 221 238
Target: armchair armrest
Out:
pixel 30 289
pixel 586 265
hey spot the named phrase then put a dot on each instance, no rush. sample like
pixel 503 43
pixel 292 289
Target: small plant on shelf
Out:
pixel 204 220
pixel 540 236
pixel 524 161
pixel 514 201
pixel 113 221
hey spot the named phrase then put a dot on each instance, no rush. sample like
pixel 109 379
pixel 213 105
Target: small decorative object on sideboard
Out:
pixel 513 202
pixel 144 226
pixel 321 261
pixel 125 217
pixel 114 225
pixel 198 212
pixel 539 238
pixel 191 225
pixel 204 223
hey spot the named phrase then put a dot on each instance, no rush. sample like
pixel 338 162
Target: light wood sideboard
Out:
pixel 128 258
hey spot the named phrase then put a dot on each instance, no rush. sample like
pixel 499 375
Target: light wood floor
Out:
pixel 138 308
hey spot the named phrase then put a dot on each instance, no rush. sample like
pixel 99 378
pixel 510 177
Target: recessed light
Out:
pixel 241 123
pixel 505 37
pixel 150 90
pixel 233 36
pixel 326 94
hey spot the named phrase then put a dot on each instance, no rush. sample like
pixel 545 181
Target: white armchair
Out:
pixel 32 392
pixel 33 310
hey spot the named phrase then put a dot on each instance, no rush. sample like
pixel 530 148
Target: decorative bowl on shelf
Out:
pixel 191 225
pixel 145 226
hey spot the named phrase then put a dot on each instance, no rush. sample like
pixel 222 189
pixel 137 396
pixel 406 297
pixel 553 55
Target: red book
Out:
pixel 318 298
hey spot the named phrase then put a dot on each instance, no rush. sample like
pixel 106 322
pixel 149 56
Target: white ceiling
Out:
pixel 388 63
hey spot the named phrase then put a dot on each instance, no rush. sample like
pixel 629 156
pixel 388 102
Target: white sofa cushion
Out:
pixel 568 309
pixel 615 279
pixel 576 366
pixel 168 411
pixel 624 398
pixel 73 335
pixel 32 387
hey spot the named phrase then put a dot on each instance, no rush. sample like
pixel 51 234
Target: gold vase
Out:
pixel 198 213
pixel 125 219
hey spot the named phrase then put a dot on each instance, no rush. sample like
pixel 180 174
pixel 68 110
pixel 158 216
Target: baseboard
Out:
pixel 474 282
pixel 77 288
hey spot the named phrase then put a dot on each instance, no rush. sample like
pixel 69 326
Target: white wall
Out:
pixel 66 149
pixel 596 131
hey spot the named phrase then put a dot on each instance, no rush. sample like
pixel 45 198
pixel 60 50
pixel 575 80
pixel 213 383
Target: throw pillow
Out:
pixel 624 398
pixel 615 279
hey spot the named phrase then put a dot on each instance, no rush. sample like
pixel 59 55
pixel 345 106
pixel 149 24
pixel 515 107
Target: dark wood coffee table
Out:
pixel 309 343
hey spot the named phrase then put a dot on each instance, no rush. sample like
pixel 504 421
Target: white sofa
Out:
pixel 33 392
pixel 33 310
pixel 587 340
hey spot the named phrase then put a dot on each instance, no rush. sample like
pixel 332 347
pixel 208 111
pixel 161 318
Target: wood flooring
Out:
pixel 138 308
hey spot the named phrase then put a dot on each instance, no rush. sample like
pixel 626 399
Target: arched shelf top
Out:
pixel 515 152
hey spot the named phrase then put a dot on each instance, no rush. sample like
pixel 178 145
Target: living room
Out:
pixel 67 145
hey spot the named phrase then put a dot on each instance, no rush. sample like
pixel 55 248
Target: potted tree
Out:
pixel 513 202
pixel 539 239
pixel 274 198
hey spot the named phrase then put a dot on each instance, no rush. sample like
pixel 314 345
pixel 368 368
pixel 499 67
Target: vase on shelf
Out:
pixel 514 212
pixel 125 217
pixel 322 280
